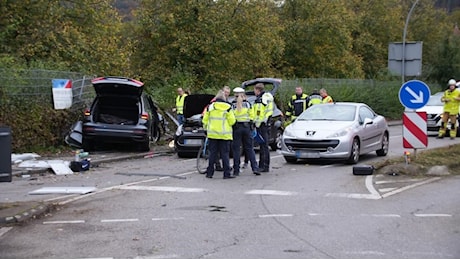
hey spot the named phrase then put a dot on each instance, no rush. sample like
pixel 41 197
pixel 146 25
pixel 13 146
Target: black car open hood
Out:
pixel 106 86
pixel 195 104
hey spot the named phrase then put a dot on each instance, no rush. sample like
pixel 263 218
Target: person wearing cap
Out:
pixel 263 110
pixel 242 132
pixel 451 99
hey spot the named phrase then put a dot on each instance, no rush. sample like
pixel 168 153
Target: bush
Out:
pixel 35 125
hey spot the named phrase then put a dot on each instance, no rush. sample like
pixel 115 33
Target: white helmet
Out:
pixel 238 90
pixel 452 82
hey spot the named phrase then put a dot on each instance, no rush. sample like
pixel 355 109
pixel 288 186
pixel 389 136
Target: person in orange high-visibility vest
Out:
pixel 326 97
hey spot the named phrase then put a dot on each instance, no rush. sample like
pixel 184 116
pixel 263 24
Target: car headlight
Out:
pixel 340 133
pixel 179 131
pixel 288 132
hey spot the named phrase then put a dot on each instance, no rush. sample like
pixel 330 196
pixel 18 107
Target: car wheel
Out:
pixel 354 153
pixel 145 146
pixel 156 134
pixel 290 159
pixel 385 144
pixel 277 142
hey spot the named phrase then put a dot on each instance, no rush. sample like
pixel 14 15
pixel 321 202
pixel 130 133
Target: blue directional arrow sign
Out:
pixel 414 94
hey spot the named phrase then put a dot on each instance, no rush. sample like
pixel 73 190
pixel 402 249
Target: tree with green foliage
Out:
pixel 318 40
pixel 213 41
pixel 73 35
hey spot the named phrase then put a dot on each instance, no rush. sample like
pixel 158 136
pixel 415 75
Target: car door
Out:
pixel 369 132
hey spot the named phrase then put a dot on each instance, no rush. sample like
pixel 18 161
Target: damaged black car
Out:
pixel 120 113
pixel 190 135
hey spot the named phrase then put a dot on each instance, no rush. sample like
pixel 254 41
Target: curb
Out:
pixel 32 213
pixel 96 162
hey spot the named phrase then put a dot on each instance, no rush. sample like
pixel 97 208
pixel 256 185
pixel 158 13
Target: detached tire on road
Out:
pixel 290 159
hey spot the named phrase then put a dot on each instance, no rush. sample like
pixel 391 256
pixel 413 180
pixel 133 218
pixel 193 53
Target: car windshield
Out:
pixel 435 100
pixel 329 112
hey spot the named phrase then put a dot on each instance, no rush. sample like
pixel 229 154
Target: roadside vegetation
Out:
pixel 423 160
pixel 203 45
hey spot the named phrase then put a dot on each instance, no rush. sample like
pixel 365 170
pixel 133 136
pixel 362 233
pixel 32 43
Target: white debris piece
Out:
pixel 17 158
pixel 60 167
pixel 63 190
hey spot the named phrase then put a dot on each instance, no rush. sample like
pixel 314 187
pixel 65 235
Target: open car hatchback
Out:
pixel 120 113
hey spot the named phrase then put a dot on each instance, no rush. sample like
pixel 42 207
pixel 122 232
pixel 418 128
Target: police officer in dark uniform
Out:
pixel 263 110
pixel 242 132
pixel 297 104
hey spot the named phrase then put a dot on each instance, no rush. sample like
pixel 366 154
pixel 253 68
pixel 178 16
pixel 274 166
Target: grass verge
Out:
pixel 443 156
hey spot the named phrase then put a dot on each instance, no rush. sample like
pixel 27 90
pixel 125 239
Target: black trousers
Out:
pixel 264 155
pixel 222 147
pixel 242 136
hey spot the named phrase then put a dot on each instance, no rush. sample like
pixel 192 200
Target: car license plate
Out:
pixel 192 141
pixel 306 154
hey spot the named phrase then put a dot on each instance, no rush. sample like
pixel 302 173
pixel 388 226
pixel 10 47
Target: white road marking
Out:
pixel 397 181
pixel 409 187
pixel 163 188
pixel 270 192
pixel 115 187
pixel 354 196
pixel 3 230
pixel 432 215
pixel 396 136
pixel 374 195
pixel 119 220
pixel 275 215
pixel 64 222
pixel 386 190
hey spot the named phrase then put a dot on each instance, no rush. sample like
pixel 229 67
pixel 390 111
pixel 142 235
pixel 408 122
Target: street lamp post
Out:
pixel 403 69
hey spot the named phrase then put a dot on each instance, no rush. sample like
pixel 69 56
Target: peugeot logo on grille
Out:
pixel 310 133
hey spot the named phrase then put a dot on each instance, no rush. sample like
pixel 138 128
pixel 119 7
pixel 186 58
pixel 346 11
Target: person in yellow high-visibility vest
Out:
pixel 451 99
pixel 217 122
pixel 242 130
pixel 179 109
pixel 263 110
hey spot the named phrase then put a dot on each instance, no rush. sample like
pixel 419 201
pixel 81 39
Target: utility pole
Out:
pixel 404 42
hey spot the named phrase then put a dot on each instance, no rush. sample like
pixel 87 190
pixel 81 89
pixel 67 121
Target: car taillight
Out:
pixel 88 129
pixel 145 116
pixel 87 112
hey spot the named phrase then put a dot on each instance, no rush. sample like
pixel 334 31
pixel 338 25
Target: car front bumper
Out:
pixel 339 148
pixel 189 142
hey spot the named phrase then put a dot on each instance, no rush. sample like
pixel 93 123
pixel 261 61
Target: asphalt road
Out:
pixel 295 211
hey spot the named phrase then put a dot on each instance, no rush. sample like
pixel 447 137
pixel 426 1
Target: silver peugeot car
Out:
pixel 339 131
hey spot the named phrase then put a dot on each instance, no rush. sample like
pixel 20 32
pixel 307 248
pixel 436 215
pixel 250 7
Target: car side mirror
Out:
pixel 368 121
